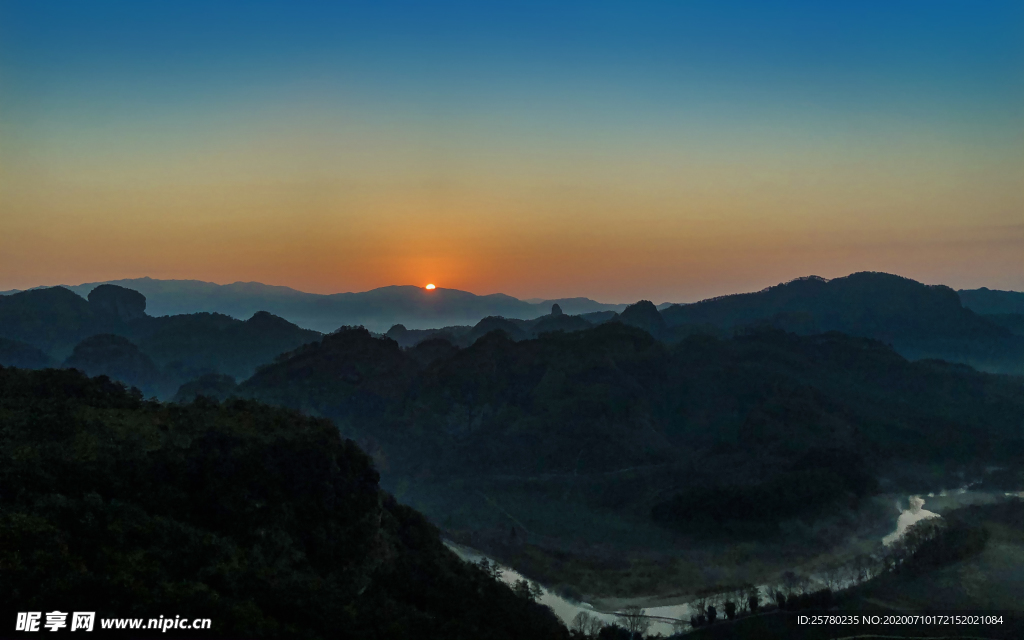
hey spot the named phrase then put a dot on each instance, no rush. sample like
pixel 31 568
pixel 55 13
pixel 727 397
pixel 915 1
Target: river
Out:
pixel 663 617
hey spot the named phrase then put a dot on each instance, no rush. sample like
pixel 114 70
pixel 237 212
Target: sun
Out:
pixel 430 287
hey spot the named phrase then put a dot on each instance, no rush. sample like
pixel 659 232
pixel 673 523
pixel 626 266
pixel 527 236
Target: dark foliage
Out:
pixel 215 386
pixel 1013 322
pixel 986 301
pixel 112 302
pixel 260 519
pixel 820 479
pixel 920 321
pixel 53 320
pixel 644 315
pixel 192 345
pixel 183 348
pixel 768 423
pixel 118 358
pixel 24 356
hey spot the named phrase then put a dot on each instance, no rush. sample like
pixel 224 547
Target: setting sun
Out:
pixel 430 287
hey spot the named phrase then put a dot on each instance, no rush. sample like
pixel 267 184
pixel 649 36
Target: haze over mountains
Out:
pixel 158 353
pixel 565 439
pixel 111 334
pixel 377 309
pixel 415 308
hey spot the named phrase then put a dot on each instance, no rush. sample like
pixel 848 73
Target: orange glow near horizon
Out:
pixel 605 217
pixel 668 153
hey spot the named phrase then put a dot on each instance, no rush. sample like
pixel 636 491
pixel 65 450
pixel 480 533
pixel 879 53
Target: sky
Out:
pixel 668 151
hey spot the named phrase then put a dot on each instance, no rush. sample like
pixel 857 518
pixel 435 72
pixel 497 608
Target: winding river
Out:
pixel 663 617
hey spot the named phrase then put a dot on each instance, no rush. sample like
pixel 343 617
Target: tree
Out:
pixel 780 598
pixel 863 568
pixel 753 599
pixel 790 581
pixel 635 620
pixel 613 632
pixel 712 614
pixel 753 602
pixel 730 609
pixel 527 589
pixel 701 604
pixel 581 623
pixel 831 576
pixel 493 570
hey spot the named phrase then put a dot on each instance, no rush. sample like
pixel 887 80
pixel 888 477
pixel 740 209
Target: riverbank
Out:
pixel 989 579
pixel 669 582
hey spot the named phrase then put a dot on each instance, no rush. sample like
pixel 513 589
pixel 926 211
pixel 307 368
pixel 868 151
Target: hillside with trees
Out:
pixel 263 520
pixel 918 320
pixel 609 436
pixel 111 334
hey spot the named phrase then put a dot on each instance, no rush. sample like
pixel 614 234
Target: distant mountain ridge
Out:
pixel 111 334
pixel 979 327
pixel 918 320
pixel 380 309
pixel 989 301
pixel 377 309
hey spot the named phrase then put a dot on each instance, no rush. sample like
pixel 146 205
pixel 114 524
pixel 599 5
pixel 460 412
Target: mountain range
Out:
pixel 416 308
pixel 918 320
pixel 734 418
pixel 377 309
pixel 111 334
pixel 542 450
pixel 116 332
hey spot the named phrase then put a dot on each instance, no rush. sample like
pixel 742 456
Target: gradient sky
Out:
pixel 668 151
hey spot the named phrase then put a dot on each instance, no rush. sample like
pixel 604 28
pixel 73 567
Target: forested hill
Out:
pixel 262 520
pixel 988 301
pixel 704 412
pixel 112 334
pixel 920 321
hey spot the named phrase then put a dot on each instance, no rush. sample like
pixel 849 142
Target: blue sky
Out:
pixel 686 144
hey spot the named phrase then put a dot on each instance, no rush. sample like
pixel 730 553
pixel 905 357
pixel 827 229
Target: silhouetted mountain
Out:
pixel 988 301
pixel 464 336
pixel 23 356
pixel 377 309
pixel 706 414
pixel 118 358
pixel 599 317
pixel 347 373
pixel 191 345
pixel 644 315
pixel 115 303
pixel 920 321
pixel 512 329
pixel 262 520
pixel 411 337
pixel 556 322
pixel 580 306
pixel 52 320
pixel 182 347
